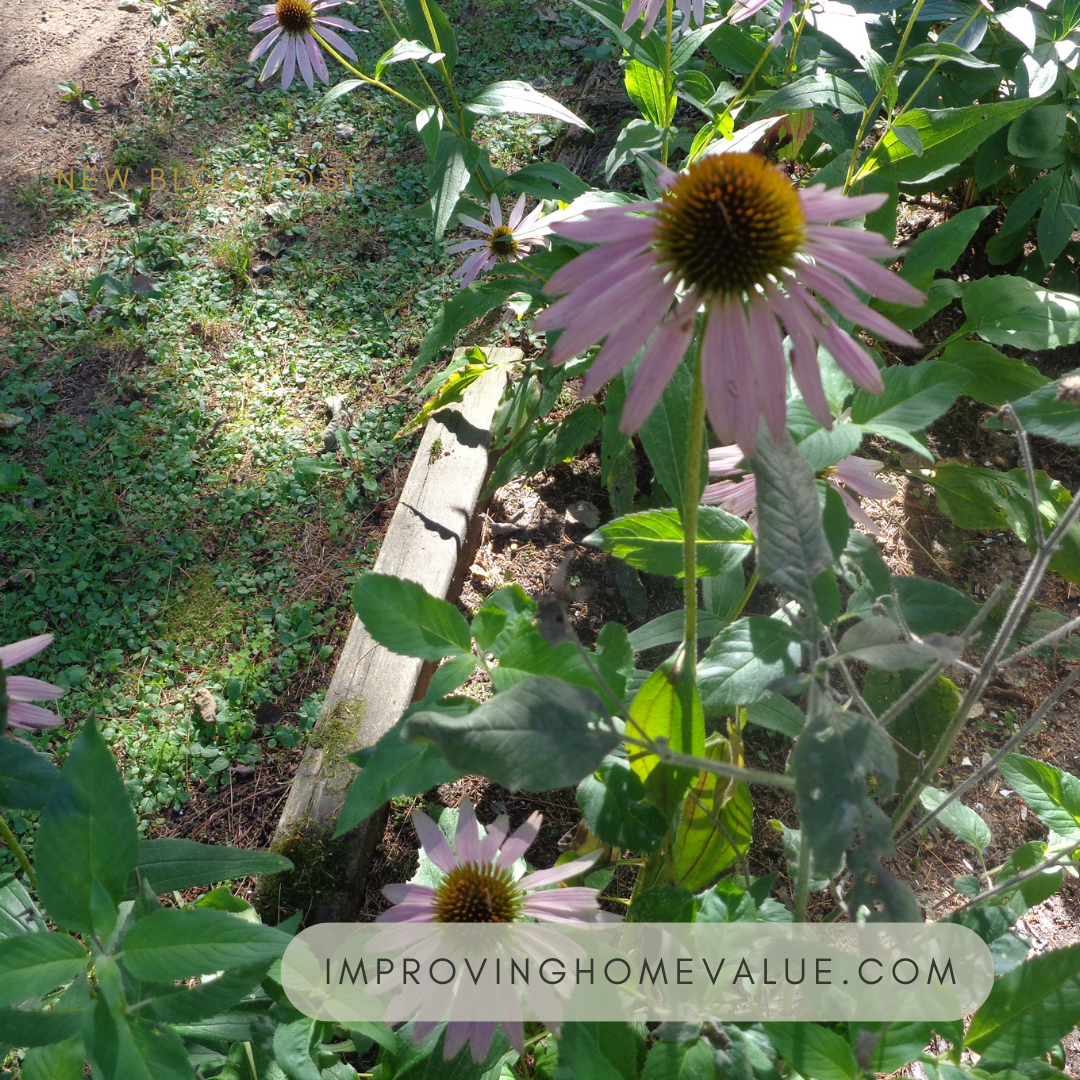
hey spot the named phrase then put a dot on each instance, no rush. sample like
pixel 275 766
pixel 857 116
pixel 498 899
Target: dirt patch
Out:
pixel 94 44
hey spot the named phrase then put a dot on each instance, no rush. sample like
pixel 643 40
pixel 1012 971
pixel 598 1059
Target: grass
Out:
pixel 167 509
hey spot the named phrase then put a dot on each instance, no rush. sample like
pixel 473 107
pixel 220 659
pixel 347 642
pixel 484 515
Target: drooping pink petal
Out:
pixel 870 277
pixel 435 845
pixel 821 206
pixel 318 64
pixel 415 895
pixel 18 651
pixel 23 688
pixel 858 473
pixel 584 268
pixel 771 367
pixel 495 837
pixel 260 25
pixel 799 324
pixel 736 497
pixel 405 913
pixel 340 24
pixel 334 41
pixel 472 266
pixel 743 9
pixel 728 376
pixel 288 64
pixel 624 226
pixel 275 58
pixel 848 304
pixel 662 357
pixel 871 244
pixel 466 245
pixel 30 717
pixel 487 230
pixel 303 59
pixel 724 461
pixel 609 288
pixel 519 841
pixel 856 512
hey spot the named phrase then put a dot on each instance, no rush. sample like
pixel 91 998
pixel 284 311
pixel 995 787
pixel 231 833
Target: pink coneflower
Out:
pixel 736 491
pixel 479 887
pixel 21 689
pixel 731 237
pixel 743 9
pixel 293 22
pixel 504 243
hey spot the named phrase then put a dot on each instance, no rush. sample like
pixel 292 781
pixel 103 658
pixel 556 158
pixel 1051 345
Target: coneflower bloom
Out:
pixel 502 243
pixel 479 886
pixel 733 239
pixel 21 689
pixel 293 22
pixel 736 491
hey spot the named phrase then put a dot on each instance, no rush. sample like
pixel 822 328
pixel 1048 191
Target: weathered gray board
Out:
pixel 430 540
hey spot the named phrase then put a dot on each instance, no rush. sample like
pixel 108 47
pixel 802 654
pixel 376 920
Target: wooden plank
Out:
pixel 431 540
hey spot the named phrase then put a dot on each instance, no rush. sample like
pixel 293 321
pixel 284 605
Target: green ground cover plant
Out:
pixel 718 298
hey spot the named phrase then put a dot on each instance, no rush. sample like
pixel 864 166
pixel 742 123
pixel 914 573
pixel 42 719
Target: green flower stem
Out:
pixel 443 69
pixel 359 74
pixel 686 671
pixel 872 110
pixel 16 849
pixel 792 63
pixel 667 88
pixel 907 105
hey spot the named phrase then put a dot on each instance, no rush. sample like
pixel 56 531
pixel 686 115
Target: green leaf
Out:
pixel 87 843
pixel 405 618
pixel 930 607
pixel 443 40
pixel 26 777
pixel 546 445
pixel 612 801
pixel 1012 311
pixel 940 50
pixel 121 1048
pixel 1052 795
pixel 667 629
pixel 391 768
pixel 184 1005
pixel 173 864
pixel 33 964
pixel 657 713
pixel 179 943
pixel 939 248
pixel 461 310
pixel 548 180
pixel 736 49
pixel 814 1051
pixel 1045 413
pixel 949 137
pixel 663 903
pixel 1033 890
pixel 742 660
pixel 995 377
pixel 424 1060
pixel 1038 132
pixel 599 1051
pixel 18 912
pixel 1029 1009
pixel 807 92
pixel 793 551
pixel 653 541
pixel 529 654
pixel 57 1061
pixel 645 86
pixel 37 1027
pixel 450 173
pixel 691 1060
pixel 778 714
pixel 959 819
pixel 824 448
pixel 403 50
pixel 514 96
pixel 665 435
pixel 292 1049
pixel 539 735
pixel 914 396
pixel 714 826
pixel 832 759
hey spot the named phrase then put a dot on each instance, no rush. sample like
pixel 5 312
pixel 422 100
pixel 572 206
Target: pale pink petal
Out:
pixel 622 345
pixel 848 304
pixel 852 358
pixel 856 512
pixel 728 375
pixel 608 288
pixel 18 651
pixel 799 324
pixel 30 717
pixel 632 12
pixel 404 913
pixel 494 838
pixel 472 266
pixel 487 230
pixel 581 270
pixel 539 878
pixel 334 41
pixel 515 214
pixel 318 64
pixel 771 367
pixel 288 65
pixel 259 25
pixel 23 688
pixel 496 211
pixel 821 207
pixel 414 895
pixel 743 9
pixel 435 845
pixel 466 245
pixel 870 277
pixel 724 461
pixel 858 474
pixel 566 899
pixel 871 244
pixel 519 841
pixel 303 59
pixel 275 58
pixel 340 24
pixel 627 226
pixel 466 836
pixel 736 497
pixel 665 351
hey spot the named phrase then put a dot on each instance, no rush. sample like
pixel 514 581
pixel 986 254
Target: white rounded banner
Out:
pixel 352 972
